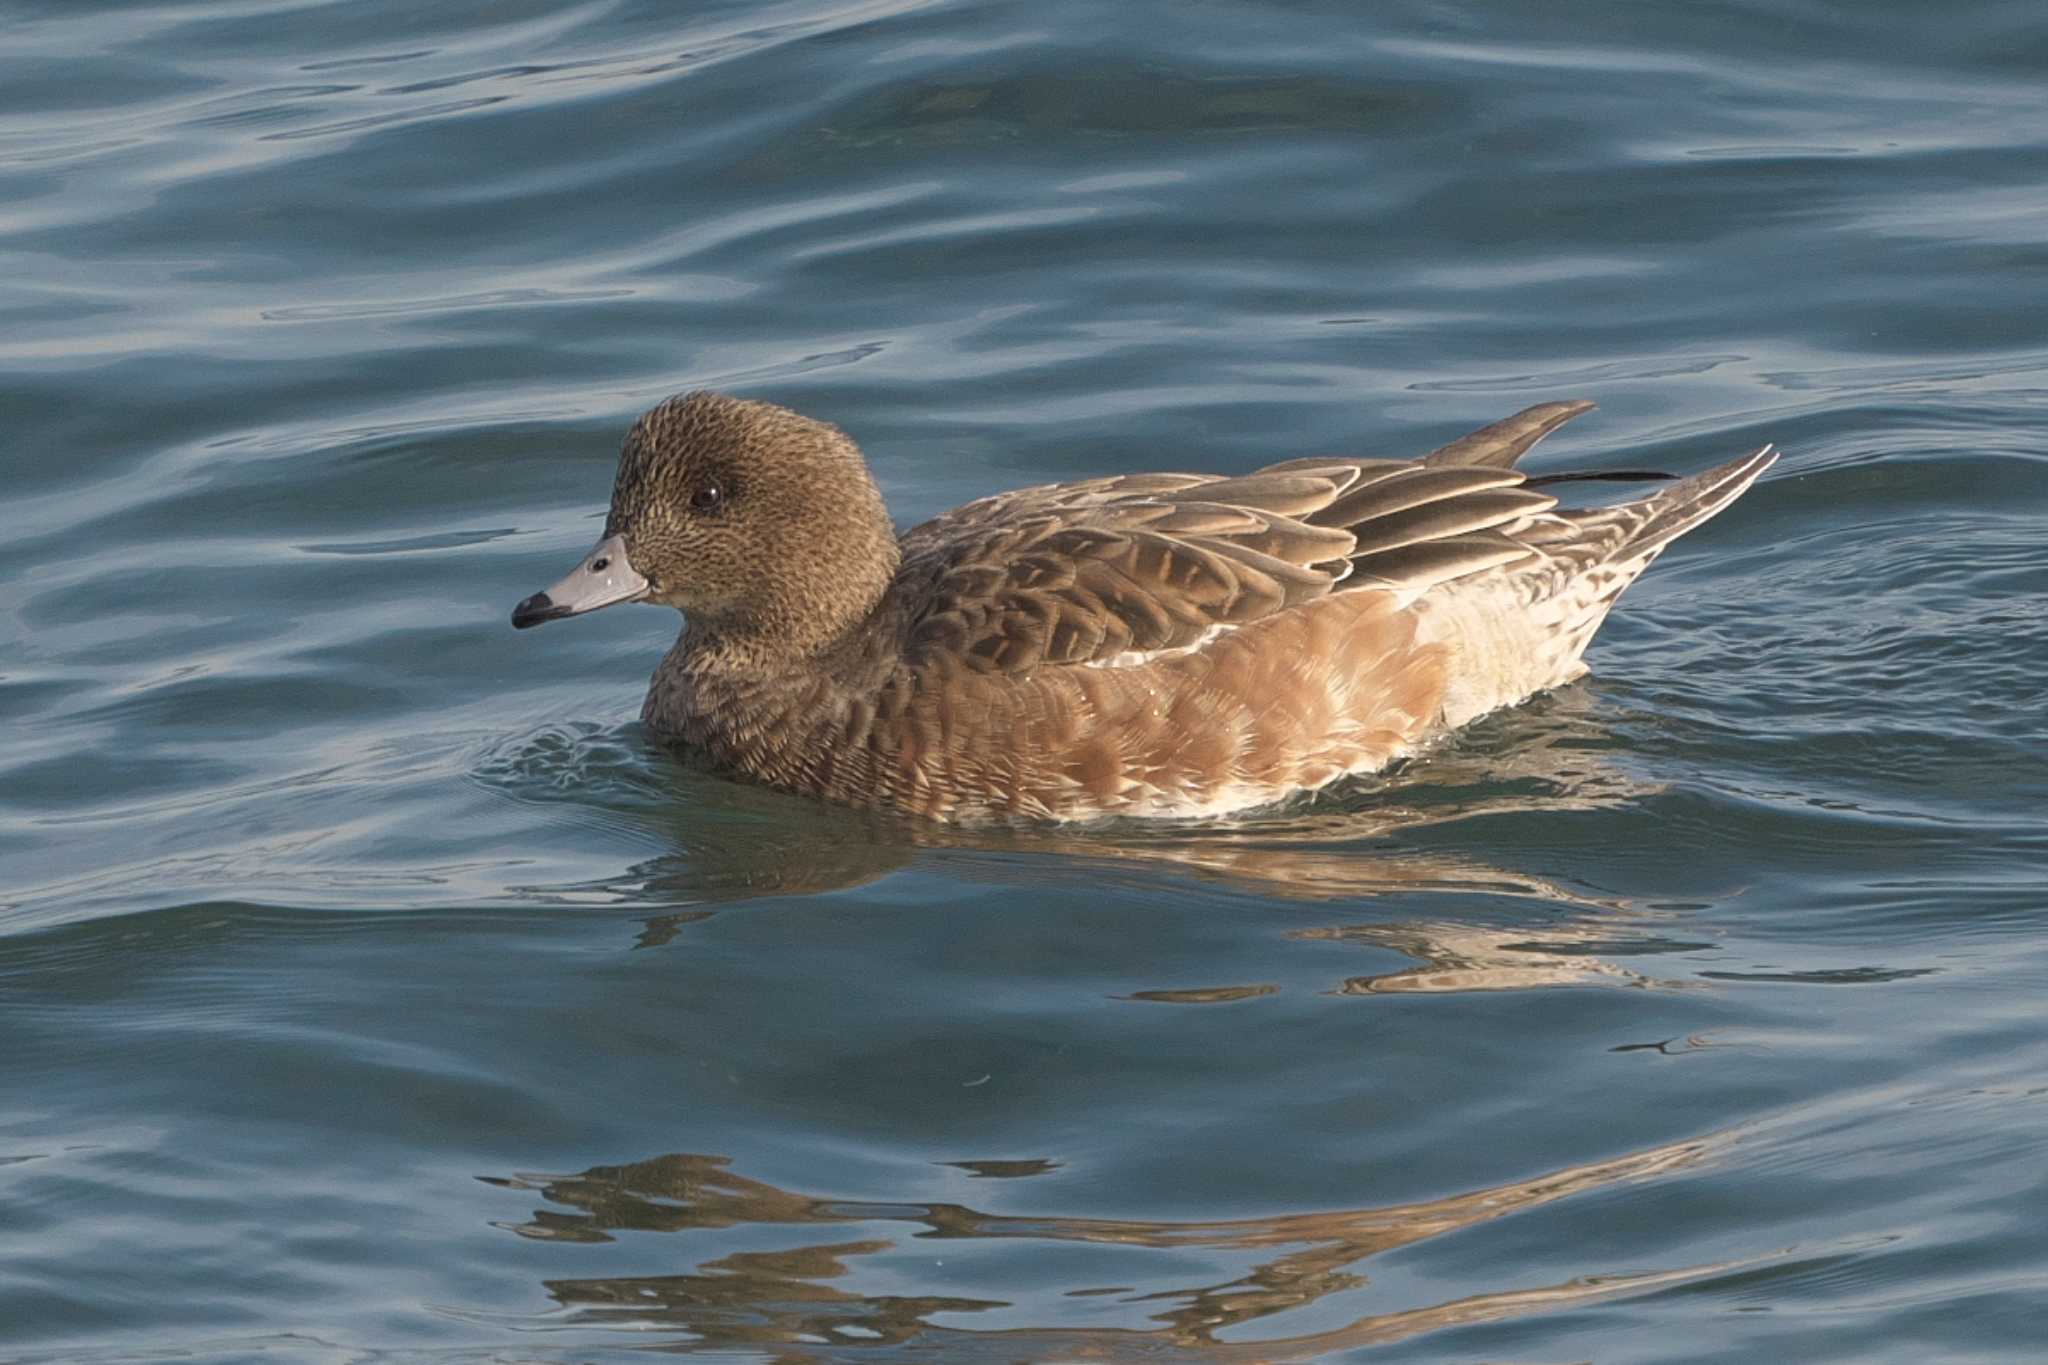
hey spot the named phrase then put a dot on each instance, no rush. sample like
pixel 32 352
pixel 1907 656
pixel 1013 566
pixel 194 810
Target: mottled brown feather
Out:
pixel 1172 564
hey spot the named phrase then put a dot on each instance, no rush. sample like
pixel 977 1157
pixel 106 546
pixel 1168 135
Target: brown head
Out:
pixel 762 525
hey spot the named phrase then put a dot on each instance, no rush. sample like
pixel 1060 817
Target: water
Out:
pixel 370 988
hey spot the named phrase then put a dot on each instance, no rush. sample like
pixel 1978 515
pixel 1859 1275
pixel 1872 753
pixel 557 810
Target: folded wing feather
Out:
pixel 1087 572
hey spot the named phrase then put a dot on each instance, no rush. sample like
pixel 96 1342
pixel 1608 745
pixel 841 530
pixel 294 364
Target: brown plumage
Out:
pixel 1146 644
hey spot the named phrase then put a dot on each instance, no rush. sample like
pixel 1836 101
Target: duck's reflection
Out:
pixel 1363 843
pixel 1451 956
pixel 808 1303
pixel 1327 856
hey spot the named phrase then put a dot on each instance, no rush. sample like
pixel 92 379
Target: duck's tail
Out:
pixel 1524 630
pixel 1615 543
pixel 1639 531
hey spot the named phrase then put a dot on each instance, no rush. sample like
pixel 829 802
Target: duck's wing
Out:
pixel 1119 569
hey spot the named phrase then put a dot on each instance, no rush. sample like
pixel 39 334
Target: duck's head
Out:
pixel 756 521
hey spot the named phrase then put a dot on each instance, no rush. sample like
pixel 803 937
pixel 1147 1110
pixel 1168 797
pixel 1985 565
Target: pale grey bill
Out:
pixel 604 577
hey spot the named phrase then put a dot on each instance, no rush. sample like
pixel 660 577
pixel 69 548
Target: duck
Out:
pixel 1146 645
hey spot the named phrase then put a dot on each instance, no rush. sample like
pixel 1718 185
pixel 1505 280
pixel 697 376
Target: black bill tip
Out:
pixel 536 609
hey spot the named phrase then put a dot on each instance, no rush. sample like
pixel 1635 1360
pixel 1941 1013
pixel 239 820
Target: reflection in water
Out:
pixel 1546 758
pixel 1335 855
pixel 1323 856
pixel 787 1299
pixel 1327 856
pixel 1006 1170
pixel 1468 957
pixel 1204 995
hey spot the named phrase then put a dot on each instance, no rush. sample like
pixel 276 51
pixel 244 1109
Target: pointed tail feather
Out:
pixel 1509 439
pixel 1627 536
pixel 1651 524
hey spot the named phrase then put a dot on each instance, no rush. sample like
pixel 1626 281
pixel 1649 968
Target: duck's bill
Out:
pixel 604 578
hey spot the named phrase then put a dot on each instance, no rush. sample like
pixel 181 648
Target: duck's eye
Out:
pixel 600 564
pixel 707 498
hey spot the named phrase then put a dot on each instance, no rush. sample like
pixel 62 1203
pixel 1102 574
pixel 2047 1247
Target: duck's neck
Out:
pixel 753 687
pixel 723 688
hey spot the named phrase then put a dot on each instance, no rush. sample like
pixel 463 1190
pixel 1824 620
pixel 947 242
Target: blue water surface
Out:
pixel 372 989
